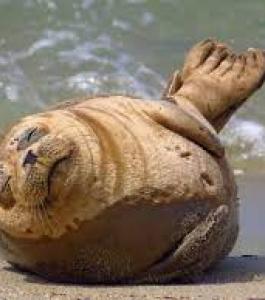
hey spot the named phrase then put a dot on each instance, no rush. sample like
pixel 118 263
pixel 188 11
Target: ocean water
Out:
pixel 52 50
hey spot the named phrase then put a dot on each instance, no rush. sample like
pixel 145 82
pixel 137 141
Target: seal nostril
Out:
pixel 30 158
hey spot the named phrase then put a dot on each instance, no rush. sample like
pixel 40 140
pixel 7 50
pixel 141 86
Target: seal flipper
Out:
pixel 186 122
pixel 195 253
pixel 216 80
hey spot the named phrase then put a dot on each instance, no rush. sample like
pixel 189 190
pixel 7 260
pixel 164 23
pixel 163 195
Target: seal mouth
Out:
pixel 51 175
pixel 54 168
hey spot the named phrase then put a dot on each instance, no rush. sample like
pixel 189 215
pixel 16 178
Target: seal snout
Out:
pixel 38 168
pixel 35 160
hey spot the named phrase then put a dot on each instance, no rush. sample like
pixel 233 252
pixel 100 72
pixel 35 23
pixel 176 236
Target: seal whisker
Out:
pixel 39 215
pixel 45 216
pixel 34 212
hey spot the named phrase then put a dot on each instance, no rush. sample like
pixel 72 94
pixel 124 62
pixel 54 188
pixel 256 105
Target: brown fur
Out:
pixel 128 157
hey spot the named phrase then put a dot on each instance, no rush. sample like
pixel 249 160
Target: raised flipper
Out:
pixel 216 80
pixel 195 253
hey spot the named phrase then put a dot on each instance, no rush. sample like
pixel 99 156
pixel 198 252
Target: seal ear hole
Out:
pixel 28 230
pixel 207 179
pixel 185 154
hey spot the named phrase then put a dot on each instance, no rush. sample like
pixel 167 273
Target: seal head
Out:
pixel 39 160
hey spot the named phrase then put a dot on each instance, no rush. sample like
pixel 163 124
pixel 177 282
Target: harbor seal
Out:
pixel 116 189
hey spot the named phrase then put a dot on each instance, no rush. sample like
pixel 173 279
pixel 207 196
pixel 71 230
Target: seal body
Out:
pixel 115 189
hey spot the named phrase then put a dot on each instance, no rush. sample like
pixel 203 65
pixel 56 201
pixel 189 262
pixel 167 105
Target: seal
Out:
pixel 116 189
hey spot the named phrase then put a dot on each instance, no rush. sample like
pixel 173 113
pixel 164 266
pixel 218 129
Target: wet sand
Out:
pixel 241 276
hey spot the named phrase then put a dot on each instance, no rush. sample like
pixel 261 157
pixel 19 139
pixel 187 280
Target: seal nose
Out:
pixel 30 158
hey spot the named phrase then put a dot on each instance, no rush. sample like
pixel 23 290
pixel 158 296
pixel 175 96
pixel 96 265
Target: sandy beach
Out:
pixel 235 278
pixel 241 276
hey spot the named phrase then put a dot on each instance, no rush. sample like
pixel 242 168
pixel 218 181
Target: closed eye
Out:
pixel 30 136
